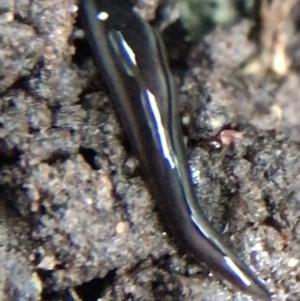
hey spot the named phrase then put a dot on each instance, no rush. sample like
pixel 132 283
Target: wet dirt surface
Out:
pixel 76 217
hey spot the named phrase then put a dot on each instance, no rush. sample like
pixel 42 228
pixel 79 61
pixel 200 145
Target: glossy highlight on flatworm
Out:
pixel 131 58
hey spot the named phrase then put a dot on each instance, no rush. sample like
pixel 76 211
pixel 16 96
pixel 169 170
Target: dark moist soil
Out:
pixel 76 220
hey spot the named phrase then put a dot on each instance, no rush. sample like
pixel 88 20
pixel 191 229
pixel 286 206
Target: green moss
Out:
pixel 198 16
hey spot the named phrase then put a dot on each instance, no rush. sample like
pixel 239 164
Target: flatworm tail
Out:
pixel 131 58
